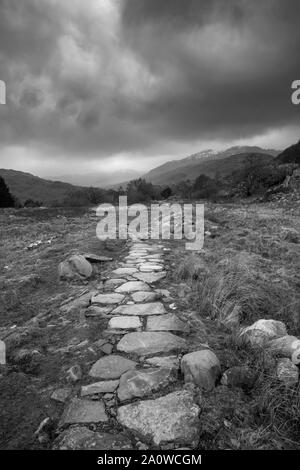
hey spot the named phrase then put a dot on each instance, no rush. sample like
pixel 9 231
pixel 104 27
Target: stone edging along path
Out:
pixel 135 396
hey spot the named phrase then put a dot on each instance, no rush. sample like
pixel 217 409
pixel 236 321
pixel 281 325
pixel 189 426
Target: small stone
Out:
pixel 111 367
pixel 287 372
pixel 172 418
pixel 132 286
pixel 74 373
pixel 61 394
pixel 107 348
pixel 82 438
pixel 83 411
pixel 76 267
pixel 239 376
pixel 107 299
pixel 149 343
pixel 145 296
pixel 169 322
pixel 201 368
pixel 125 323
pixel 106 386
pixel 138 383
pixel 151 308
pixel 2 353
pixel 164 293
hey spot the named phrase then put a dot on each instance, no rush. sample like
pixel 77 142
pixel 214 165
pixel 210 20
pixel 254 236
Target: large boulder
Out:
pixel 75 267
pixel 201 368
pixel 261 332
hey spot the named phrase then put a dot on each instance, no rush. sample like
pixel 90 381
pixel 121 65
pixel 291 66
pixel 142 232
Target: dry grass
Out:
pixel 236 283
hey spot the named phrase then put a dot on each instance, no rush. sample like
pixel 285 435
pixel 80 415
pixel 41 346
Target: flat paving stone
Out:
pixel 150 308
pixel 114 282
pixel 82 438
pixel 111 367
pixel 148 343
pixel 169 419
pixel 83 411
pixel 169 322
pixel 133 286
pixel 124 323
pixel 122 271
pixel 138 383
pixel 106 386
pixel 106 299
pixel 148 267
pixel 150 278
pixel 145 296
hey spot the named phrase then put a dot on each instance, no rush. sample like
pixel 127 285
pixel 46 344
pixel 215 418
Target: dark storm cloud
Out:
pixel 225 67
pixel 111 76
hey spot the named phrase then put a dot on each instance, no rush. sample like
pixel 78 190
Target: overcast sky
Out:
pixel 103 84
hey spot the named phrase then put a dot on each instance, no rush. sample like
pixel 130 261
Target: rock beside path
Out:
pixel 75 268
pixel 287 372
pixel 170 419
pixel 261 332
pixel 201 368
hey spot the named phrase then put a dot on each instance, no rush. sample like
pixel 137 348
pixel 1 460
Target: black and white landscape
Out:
pixel 141 344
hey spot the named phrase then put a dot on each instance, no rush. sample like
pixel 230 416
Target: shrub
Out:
pixel 6 199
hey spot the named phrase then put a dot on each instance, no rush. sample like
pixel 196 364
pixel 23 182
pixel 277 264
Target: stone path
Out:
pixel 135 396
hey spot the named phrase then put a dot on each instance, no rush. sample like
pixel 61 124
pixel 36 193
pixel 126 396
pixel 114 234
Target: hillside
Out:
pixel 290 155
pixel 26 186
pixel 105 179
pixel 208 163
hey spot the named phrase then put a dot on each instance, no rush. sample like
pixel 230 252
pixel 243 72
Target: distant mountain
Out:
pixel 104 179
pixel 207 162
pixel 290 155
pixel 26 186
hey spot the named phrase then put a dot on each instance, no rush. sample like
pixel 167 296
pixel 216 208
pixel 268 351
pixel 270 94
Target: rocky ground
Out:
pixel 123 352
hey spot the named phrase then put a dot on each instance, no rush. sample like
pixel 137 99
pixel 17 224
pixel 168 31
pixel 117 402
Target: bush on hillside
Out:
pixel 6 199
